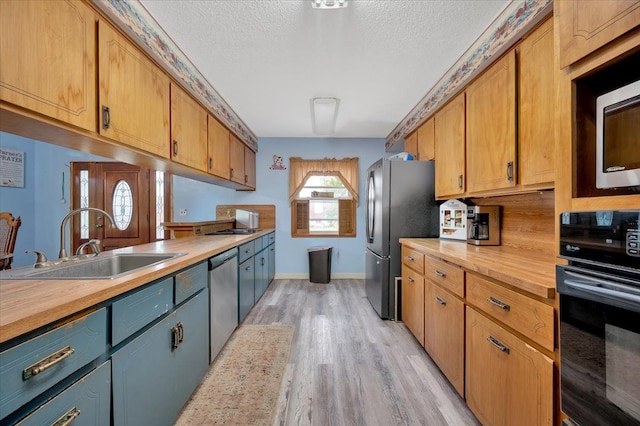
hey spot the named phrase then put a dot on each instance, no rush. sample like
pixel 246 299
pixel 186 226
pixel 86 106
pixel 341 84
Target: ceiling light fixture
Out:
pixel 324 112
pixel 329 4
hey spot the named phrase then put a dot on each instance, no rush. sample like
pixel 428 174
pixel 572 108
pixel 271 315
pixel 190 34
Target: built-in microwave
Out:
pixel 618 137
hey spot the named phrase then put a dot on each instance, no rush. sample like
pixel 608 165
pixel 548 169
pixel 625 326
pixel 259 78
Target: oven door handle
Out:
pixel 620 295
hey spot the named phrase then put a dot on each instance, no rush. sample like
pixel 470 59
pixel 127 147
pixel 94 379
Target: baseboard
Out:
pixel 338 276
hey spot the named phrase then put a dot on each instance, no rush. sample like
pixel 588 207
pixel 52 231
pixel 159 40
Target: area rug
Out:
pixel 243 384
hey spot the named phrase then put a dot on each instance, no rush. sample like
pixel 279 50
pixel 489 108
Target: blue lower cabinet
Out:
pixel 155 373
pixel 272 263
pixel 86 402
pixel 246 287
pixel 262 272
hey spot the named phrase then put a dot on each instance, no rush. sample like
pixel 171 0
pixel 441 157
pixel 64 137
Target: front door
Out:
pixel 126 192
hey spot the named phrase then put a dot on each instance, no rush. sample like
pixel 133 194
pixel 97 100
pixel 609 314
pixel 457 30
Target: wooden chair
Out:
pixel 8 233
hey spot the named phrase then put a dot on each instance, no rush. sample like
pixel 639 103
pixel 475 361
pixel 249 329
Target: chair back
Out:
pixel 8 233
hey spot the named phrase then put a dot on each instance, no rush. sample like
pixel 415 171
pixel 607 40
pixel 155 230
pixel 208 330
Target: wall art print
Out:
pixel 278 163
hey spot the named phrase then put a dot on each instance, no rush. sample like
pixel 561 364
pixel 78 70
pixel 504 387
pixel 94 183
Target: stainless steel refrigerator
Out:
pixel 400 203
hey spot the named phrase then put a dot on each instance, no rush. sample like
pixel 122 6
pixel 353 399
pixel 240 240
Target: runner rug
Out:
pixel 243 384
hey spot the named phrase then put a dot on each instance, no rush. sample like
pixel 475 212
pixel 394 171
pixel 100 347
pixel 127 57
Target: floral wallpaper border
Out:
pixel 505 30
pixel 137 22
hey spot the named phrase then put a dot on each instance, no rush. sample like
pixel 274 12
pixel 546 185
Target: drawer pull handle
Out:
pixel 498 344
pixel 47 362
pixel 441 274
pixel 106 117
pixel 440 300
pixel 180 332
pixel 499 303
pixel 67 417
pixel 410 279
pixel 410 258
pixel 175 338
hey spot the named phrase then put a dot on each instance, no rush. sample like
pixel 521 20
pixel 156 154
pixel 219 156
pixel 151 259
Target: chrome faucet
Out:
pixel 93 244
pixel 63 252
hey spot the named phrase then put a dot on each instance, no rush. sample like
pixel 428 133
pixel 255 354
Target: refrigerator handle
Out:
pixel 370 207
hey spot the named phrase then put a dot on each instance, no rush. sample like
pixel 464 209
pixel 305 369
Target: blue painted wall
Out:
pixel 39 203
pixel 199 199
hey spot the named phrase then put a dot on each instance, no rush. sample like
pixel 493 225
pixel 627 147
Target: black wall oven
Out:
pixel 600 317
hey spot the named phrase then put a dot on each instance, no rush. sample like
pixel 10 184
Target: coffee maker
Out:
pixel 483 225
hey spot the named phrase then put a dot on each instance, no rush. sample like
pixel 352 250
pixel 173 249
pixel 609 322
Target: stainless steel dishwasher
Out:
pixel 223 293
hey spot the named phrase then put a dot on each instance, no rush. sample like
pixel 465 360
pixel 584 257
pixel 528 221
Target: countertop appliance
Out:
pixel 223 293
pixel 483 225
pixel 400 203
pixel 247 219
pixel 600 317
pixel 453 220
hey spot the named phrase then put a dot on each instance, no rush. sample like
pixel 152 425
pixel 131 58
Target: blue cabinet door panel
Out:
pixel 246 288
pixel 86 338
pixel 190 282
pixel 89 399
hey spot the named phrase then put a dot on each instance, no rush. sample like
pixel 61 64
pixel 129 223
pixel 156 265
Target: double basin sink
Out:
pixel 103 266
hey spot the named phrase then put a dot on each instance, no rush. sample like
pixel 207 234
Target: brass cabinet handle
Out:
pixel 460 181
pixel 498 344
pixel 441 274
pixel 47 362
pixel 440 300
pixel 175 147
pixel 499 303
pixel 106 117
pixel 510 170
pixel 67 417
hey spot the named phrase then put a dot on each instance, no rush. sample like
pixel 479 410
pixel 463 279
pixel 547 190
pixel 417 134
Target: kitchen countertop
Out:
pixel 531 271
pixel 26 305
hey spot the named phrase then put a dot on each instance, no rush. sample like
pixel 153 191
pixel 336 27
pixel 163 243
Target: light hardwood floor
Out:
pixel 349 367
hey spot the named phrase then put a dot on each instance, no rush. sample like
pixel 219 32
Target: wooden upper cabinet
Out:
pixel 536 112
pixel 188 130
pixel 133 95
pixel 236 160
pixel 411 144
pixel 585 26
pixel 249 167
pixel 450 148
pixel 491 127
pixel 48 59
pixel 426 142
pixel 218 148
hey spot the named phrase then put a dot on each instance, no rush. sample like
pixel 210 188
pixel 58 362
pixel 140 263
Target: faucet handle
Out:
pixel 41 259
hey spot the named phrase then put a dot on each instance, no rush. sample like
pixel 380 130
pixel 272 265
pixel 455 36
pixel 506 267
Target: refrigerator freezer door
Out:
pixel 377 285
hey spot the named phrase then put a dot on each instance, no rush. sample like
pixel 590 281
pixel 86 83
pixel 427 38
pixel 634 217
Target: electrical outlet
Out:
pixel 183 212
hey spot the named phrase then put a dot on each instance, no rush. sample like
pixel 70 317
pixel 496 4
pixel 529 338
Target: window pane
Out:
pixel 159 204
pixel 122 205
pixel 324 187
pixel 323 216
pixel 84 202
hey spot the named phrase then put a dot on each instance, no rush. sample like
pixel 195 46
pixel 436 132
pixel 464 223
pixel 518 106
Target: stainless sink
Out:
pixel 103 266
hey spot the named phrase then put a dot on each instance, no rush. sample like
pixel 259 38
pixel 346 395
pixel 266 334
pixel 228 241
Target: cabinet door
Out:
pixel 218 148
pixel 491 127
pixel 143 371
pixel 47 53
pixel 246 287
pixel 188 130
pixel 272 263
pixel 192 355
pixel 134 95
pixel 507 381
pixel 536 112
pixel 261 265
pixel 426 142
pixel 411 144
pixel 444 333
pixel 413 302
pixel 450 148
pixel 236 159
pixel 586 26
pixel 249 167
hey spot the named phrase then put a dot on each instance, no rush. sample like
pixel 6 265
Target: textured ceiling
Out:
pixel 268 58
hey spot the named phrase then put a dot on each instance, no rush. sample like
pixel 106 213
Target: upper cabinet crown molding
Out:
pixel 62 33
pixel 137 22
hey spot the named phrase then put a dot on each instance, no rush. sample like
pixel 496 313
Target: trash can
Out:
pixel 320 264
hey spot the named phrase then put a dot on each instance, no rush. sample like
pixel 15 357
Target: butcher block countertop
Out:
pixel 528 270
pixel 26 305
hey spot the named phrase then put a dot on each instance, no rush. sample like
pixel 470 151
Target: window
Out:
pixel 323 198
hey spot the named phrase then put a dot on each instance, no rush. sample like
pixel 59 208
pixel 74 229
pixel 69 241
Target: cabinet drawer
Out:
pixel 530 317
pixel 86 337
pixel 87 402
pixel 190 281
pixel 413 259
pixel 246 251
pixel 132 313
pixel 258 244
pixel 448 276
pixel 271 238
